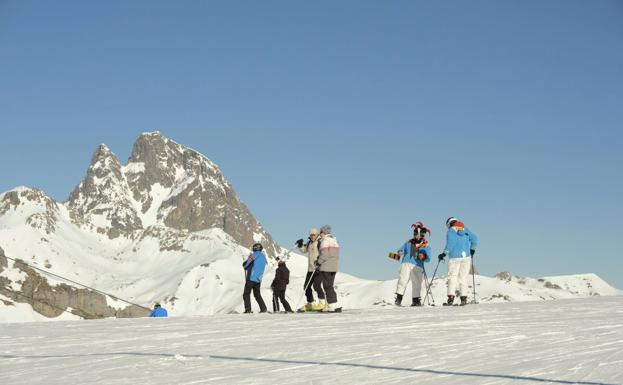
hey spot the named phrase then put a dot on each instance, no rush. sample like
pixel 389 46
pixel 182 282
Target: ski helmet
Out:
pixel 257 247
pixel 450 221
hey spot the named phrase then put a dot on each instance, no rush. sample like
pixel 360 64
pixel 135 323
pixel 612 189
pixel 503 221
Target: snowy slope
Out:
pixel 576 341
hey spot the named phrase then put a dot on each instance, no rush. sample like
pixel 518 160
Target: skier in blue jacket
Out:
pixel 460 247
pixel 254 269
pixel 158 311
pixel 414 253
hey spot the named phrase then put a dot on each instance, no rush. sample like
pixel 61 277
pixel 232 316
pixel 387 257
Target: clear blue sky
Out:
pixel 366 115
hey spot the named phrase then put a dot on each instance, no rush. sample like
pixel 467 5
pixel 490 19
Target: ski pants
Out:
pixel 280 295
pixel 458 273
pixel 327 278
pixel 413 272
pixel 316 283
pixel 246 295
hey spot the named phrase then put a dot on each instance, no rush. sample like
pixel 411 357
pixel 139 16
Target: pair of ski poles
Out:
pixel 429 285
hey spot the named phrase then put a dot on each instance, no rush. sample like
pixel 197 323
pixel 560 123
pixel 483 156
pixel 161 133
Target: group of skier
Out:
pixel 323 253
pixel 460 248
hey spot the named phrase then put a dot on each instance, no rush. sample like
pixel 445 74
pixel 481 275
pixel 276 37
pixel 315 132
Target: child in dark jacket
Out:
pixel 282 278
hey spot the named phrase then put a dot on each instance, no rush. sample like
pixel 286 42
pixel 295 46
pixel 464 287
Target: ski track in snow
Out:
pixel 578 341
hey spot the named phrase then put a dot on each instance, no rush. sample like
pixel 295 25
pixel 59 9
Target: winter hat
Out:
pixel 419 228
pixel 326 229
pixel 313 231
pixel 257 247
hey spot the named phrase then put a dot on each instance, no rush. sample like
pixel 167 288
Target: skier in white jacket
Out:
pixel 312 278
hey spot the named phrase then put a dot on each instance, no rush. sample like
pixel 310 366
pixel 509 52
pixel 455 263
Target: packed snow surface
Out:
pixel 574 341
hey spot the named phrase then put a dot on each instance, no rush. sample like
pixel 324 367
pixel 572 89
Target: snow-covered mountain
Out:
pixel 168 227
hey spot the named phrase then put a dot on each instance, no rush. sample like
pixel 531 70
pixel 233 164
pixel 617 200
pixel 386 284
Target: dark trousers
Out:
pixel 280 295
pixel 316 284
pixel 327 278
pixel 246 296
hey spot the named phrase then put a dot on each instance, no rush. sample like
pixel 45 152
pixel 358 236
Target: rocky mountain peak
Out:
pixel 102 198
pixel 163 184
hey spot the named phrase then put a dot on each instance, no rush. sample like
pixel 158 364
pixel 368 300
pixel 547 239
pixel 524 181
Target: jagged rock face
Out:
pixel 102 198
pixel 163 184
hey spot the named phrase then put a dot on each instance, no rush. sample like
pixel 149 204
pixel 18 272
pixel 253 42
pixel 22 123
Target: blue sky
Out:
pixel 363 114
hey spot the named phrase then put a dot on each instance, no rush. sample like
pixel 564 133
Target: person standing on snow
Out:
pixel 414 253
pixel 327 264
pixel 254 270
pixel 158 311
pixel 312 279
pixel 461 246
pixel 282 278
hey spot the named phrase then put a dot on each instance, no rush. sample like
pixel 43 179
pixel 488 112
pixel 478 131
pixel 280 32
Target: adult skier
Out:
pixel 326 265
pixel 460 247
pixel 254 270
pixel 282 278
pixel 414 253
pixel 311 248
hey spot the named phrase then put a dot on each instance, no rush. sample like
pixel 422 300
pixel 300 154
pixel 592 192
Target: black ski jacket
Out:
pixel 282 277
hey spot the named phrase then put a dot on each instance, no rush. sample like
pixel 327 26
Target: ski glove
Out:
pixel 299 243
pixel 317 264
pixel 472 252
pixel 441 256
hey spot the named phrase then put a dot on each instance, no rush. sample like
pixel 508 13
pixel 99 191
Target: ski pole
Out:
pixel 426 283
pixel 427 286
pixel 474 279
pixel 311 278
pixel 428 290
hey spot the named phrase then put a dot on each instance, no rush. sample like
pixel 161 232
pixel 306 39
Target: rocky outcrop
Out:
pixel 51 301
pixel 42 210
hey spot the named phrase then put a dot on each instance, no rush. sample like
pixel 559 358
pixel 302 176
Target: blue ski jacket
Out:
pixel 254 266
pixel 406 254
pixel 460 242
pixel 159 312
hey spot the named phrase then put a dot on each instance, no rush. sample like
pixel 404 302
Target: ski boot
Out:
pixel 322 304
pixel 333 308
pixel 416 301
pixel 450 301
pixel 308 307
pixel 463 300
pixel 398 300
